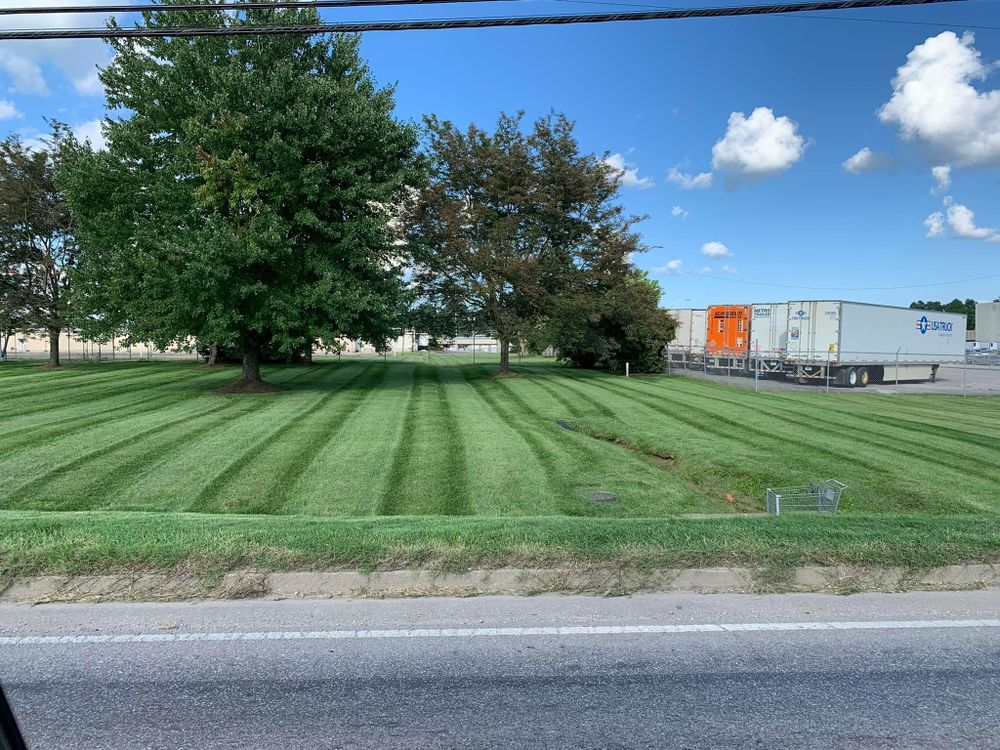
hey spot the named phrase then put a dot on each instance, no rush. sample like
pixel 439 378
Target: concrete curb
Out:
pixel 250 584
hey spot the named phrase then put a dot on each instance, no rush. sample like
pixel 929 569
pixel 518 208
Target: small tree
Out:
pixel 507 218
pixel 244 201
pixel 38 248
pixel 611 321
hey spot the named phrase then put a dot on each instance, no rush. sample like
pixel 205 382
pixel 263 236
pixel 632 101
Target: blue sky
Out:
pixel 662 95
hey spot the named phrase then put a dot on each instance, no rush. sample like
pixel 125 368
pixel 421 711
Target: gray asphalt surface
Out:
pixel 866 688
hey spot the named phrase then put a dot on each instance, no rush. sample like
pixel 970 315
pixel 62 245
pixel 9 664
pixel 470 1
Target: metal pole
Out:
pixel 897 366
pixel 668 358
pixel 473 345
pixel 965 369
pixel 756 372
pixel 828 371
pixel 626 369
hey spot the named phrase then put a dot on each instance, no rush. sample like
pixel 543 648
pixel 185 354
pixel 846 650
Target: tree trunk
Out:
pixel 504 357
pixel 4 341
pixel 213 355
pixel 54 347
pixel 251 363
pixel 307 354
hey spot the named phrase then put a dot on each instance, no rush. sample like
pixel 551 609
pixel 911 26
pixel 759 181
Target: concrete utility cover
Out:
pixel 601 497
pixel 565 425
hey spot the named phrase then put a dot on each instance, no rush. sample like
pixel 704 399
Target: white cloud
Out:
pixel 671 268
pixel 942 175
pixel 727 268
pixel 758 146
pixel 935 224
pixel 934 101
pixel 962 221
pixel 91 131
pixel 8 111
pixel 629 173
pixel 27 63
pixel 866 160
pixel 678 211
pixel 715 250
pixel 706 269
pixel 690 182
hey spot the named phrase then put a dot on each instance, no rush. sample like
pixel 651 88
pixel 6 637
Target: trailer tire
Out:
pixel 863 377
pixel 851 377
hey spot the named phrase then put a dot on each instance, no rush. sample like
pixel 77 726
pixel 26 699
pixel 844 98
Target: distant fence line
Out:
pixel 838 369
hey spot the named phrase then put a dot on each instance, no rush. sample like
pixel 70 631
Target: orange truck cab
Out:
pixel 727 340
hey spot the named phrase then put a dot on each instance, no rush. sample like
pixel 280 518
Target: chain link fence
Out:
pixel 971 374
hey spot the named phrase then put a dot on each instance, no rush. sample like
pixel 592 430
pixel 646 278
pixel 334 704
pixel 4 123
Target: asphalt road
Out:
pixel 658 671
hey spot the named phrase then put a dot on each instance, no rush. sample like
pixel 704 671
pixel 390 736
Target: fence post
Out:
pixel 626 369
pixel 756 373
pixel 828 370
pixel 965 370
pixel 668 358
pixel 897 367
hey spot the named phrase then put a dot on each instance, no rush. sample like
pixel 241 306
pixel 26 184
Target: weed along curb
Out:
pixel 250 584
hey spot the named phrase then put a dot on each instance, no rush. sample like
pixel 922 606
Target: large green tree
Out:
pixel 38 248
pixel 508 218
pixel 246 197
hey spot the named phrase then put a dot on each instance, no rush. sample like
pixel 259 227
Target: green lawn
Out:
pixel 112 466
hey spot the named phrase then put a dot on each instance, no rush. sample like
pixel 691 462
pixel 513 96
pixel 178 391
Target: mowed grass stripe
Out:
pixel 351 473
pixel 505 476
pixel 872 474
pixel 68 375
pixel 57 391
pixel 183 468
pixel 428 474
pixel 711 451
pixel 271 467
pixel 96 393
pixel 644 487
pixel 961 459
pixel 69 425
pixel 314 436
pixel 107 475
pixel 225 493
pixel 111 438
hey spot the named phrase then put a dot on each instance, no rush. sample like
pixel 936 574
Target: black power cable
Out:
pixel 458 23
pixel 222 6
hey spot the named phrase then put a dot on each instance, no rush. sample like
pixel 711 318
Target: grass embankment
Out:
pixel 115 467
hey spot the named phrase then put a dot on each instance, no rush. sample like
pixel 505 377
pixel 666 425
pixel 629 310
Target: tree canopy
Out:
pixel 38 247
pixel 245 199
pixel 511 220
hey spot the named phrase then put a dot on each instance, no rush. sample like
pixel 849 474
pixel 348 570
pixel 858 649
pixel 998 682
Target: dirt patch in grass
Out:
pixel 248 386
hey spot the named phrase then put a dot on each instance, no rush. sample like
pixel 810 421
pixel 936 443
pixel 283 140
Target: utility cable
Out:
pixel 116 32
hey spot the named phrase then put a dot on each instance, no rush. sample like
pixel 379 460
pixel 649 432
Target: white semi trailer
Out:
pixel 688 346
pixel 854 343
pixel 768 336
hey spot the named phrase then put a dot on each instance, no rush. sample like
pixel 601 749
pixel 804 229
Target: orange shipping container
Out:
pixel 728 330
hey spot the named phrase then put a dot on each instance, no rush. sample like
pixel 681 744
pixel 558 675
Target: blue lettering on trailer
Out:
pixel 924 325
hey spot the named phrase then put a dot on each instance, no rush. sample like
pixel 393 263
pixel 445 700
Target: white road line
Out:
pixel 332 635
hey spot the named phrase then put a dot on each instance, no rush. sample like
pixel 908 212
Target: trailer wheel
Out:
pixel 863 377
pixel 851 378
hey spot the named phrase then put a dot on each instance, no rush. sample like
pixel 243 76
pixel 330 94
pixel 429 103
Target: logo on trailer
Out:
pixel 924 325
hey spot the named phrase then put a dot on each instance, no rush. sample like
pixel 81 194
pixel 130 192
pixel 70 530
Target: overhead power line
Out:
pixel 228 7
pixel 458 23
